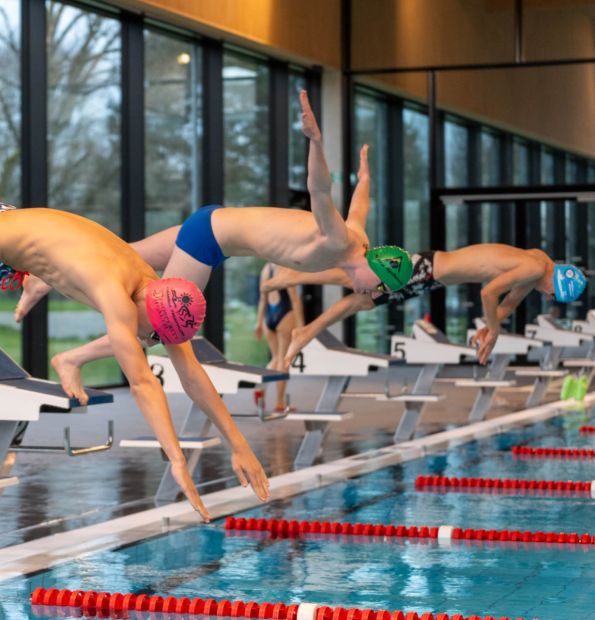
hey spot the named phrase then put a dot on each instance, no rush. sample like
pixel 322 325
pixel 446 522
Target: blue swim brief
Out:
pixel 197 239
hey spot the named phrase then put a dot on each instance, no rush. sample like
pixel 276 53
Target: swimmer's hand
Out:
pixel 248 468
pixel 485 340
pixel 258 331
pixel 184 479
pixel 309 124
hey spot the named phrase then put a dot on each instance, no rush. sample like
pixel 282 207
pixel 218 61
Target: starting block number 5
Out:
pixel 399 350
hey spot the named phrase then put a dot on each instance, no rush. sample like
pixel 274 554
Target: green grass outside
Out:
pixel 8 303
pixel 240 342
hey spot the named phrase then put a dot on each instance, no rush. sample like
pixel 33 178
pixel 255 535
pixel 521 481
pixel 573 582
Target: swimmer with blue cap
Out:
pixel 508 273
pixel 569 283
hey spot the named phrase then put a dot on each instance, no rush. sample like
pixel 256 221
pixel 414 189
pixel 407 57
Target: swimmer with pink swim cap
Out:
pixel 176 309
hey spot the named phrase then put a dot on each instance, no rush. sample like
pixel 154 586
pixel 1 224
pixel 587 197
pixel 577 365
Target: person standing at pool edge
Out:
pixel 86 262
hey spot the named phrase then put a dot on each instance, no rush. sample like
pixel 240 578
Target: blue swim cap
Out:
pixel 569 283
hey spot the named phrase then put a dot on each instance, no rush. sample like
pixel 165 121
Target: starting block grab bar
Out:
pixel 67 446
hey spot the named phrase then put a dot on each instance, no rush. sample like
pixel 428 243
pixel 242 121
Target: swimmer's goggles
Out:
pixel 392 264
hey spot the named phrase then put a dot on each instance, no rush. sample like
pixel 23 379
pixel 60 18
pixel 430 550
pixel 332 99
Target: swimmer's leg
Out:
pixel 68 365
pixel 284 330
pixel 157 249
pixel 345 307
pixel 182 265
pixel 33 290
pixel 328 219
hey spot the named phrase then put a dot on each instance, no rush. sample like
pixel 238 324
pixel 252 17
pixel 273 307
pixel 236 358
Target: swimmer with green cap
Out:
pixel 507 272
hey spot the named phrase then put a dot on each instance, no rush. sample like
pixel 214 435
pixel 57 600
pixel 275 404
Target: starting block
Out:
pixel 25 398
pixel 326 356
pixel 428 348
pixel 558 343
pixel 507 347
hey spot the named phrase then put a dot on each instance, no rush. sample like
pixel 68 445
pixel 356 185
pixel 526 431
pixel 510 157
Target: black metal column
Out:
pixel 347 113
pixel 437 210
pixel 395 190
pixel 34 178
pixel 312 293
pixel 212 173
pixel 133 137
pixel 279 133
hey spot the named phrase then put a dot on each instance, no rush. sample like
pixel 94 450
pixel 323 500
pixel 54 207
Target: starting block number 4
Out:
pixel 298 362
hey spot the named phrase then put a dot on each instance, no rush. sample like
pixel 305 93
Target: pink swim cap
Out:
pixel 176 309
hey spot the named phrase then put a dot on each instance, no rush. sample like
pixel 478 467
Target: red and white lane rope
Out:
pixel 587 429
pixel 114 604
pixel 285 529
pixel 504 485
pixel 545 452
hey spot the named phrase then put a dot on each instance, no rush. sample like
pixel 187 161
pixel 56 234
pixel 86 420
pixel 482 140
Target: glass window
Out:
pixel 173 130
pixel 246 139
pixel 520 163
pixel 456 150
pixel 372 333
pixel 490 158
pixel 457 297
pixel 591 233
pixel 547 166
pixel 10 153
pixel 84 93
pixel 298 145
pixel 490 175
pixel 573 252
pixel 417 198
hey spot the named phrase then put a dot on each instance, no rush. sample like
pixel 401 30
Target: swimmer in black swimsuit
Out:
pixel 508 274
pixel 279 313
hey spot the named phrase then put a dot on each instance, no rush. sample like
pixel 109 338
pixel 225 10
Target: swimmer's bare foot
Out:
pixel 33 290
pixel 300 337
pixel 363 174
pixel 309 124
pixel 70 377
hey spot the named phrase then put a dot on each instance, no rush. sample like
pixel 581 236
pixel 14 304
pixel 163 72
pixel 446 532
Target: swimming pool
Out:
pixel 550 582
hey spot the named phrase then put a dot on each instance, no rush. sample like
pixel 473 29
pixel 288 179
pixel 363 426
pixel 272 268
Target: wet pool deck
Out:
pixel 57 493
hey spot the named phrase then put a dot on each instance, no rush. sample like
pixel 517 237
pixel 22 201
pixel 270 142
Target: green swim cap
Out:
pixel 391 264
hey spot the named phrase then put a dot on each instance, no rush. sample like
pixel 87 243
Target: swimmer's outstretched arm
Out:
pixel 287 277
pixel 345 307
pixel 330 222
pixel 522 277
pixel 120 316
pixel 198 386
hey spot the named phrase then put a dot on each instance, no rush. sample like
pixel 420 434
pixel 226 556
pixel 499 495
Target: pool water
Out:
pixel 550 582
